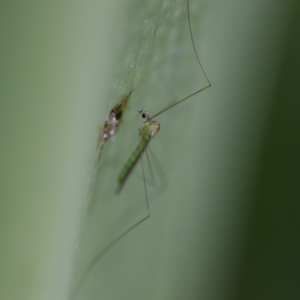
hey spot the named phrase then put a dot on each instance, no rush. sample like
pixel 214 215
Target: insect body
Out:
pixel 150 127
pixel 147 131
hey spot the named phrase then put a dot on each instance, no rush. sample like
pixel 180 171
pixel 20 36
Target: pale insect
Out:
pixel 151 127
pixel 146 132
pixel 112 122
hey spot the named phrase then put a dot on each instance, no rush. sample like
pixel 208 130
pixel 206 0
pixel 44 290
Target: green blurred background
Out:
pixel 225 217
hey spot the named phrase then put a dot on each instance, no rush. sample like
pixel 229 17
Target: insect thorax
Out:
pixel 149 129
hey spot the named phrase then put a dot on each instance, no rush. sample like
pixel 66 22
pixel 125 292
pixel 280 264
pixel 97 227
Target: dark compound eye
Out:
pixel 144 115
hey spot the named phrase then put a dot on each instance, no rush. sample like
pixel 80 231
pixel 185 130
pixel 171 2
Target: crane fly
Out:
pixel 147 131
pixel 151 127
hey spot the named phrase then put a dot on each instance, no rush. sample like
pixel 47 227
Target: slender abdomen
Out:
pixel 132 161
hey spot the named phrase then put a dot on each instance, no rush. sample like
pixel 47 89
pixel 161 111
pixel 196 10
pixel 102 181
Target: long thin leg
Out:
pixel 158 167
pixel 144 179
pixel 150 168
pixel 198 60
pixel 75 291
